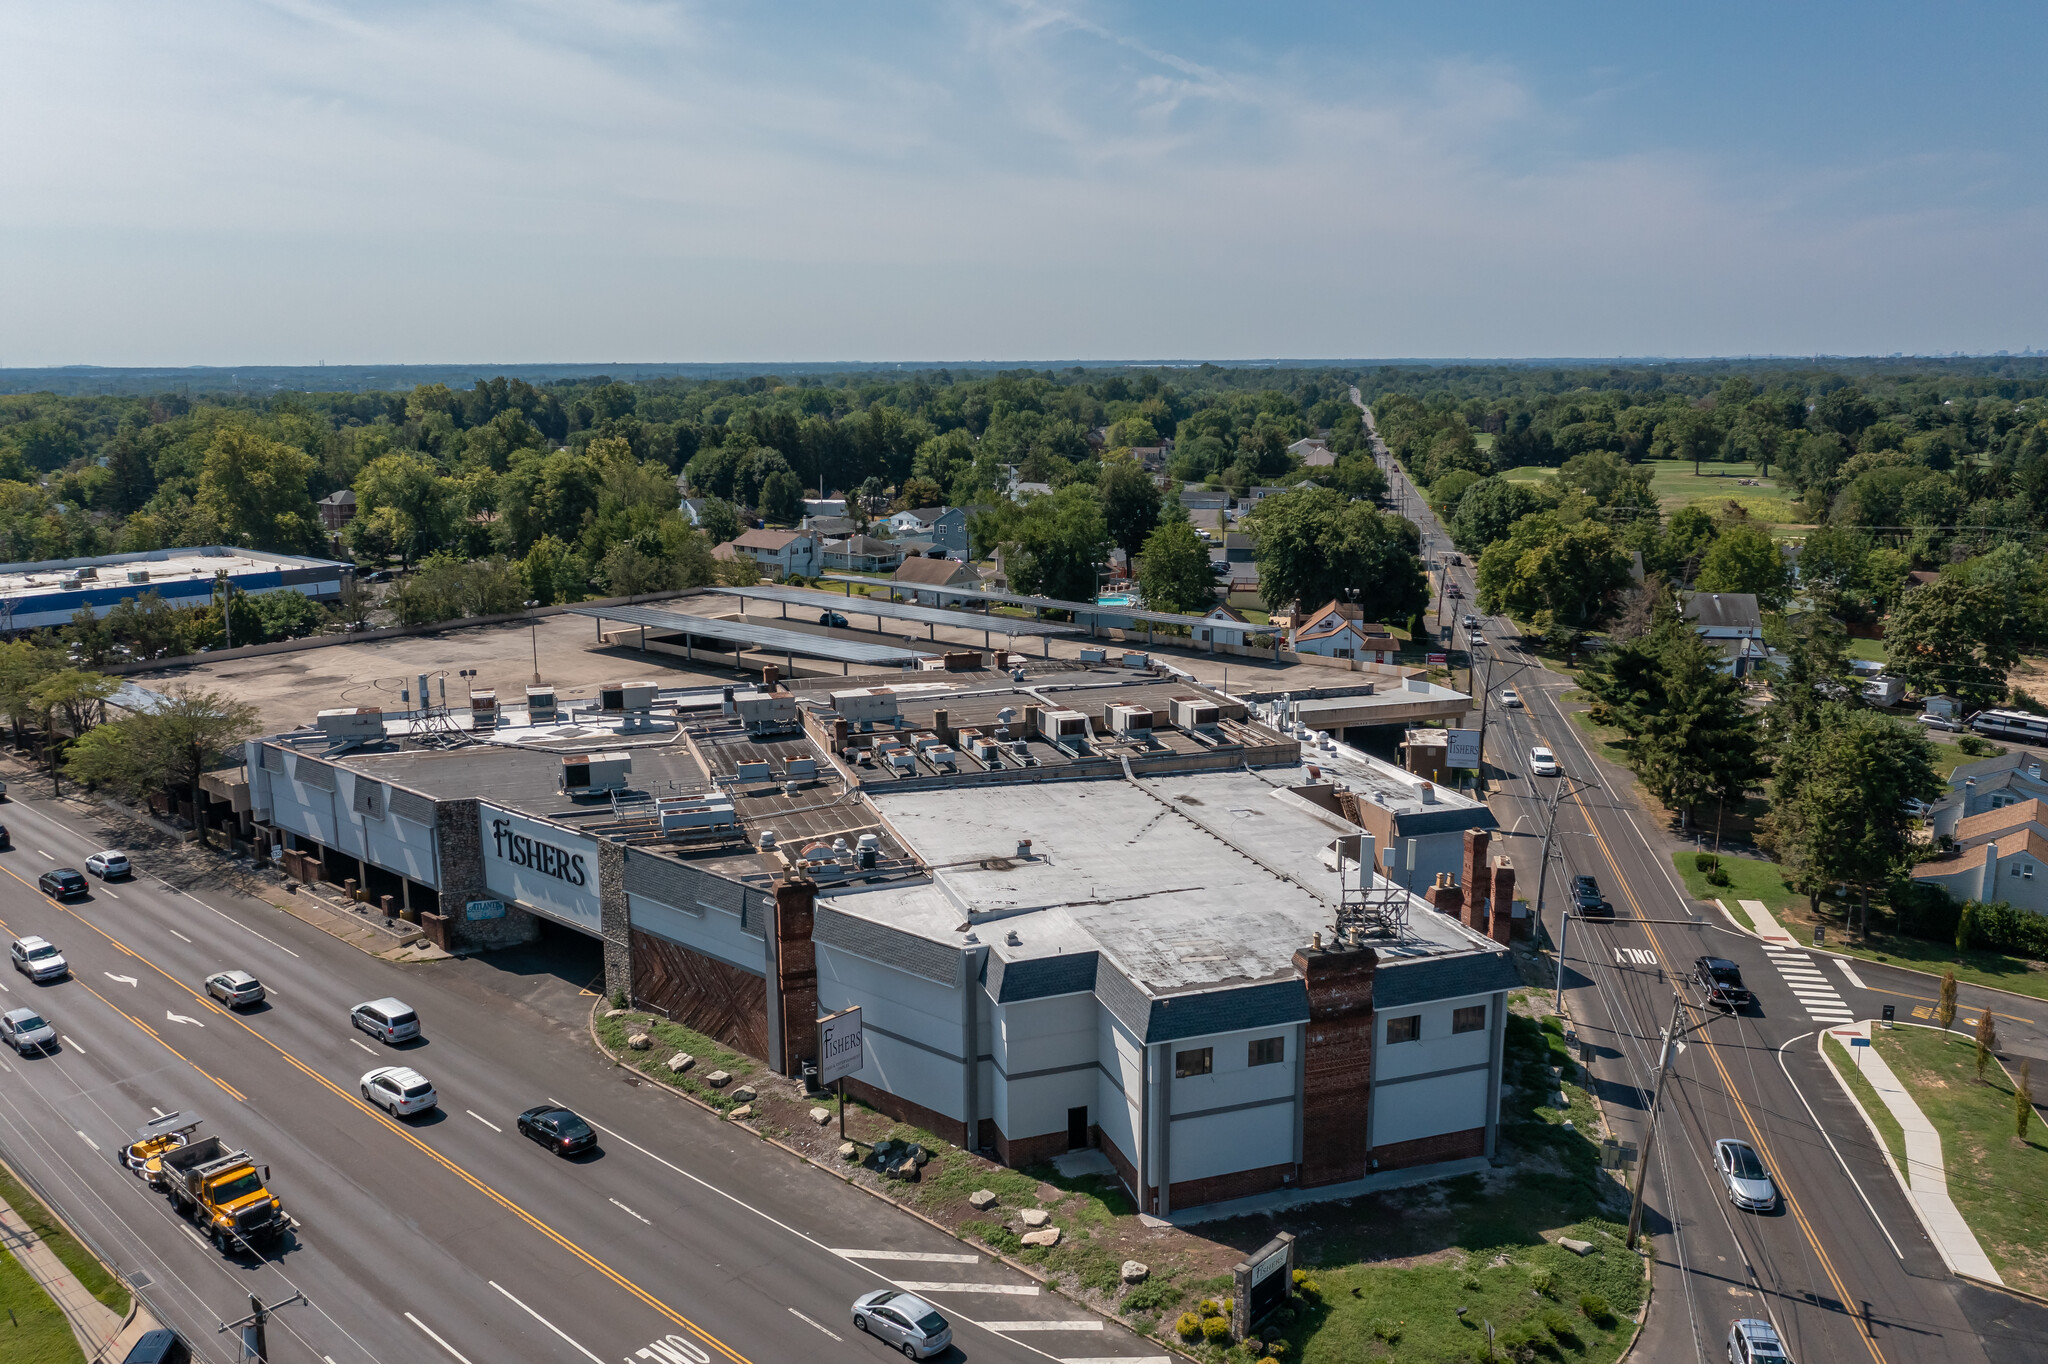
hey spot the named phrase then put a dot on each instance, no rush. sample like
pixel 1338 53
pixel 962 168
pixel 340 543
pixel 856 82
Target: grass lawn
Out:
pixel 35 1332
pixel 1999 1181
pixel 1880 1116
pixel 670 1038
pixel 1869 650
pixel 1610 742
pixel 1674 485
pixel 80 1261
pixel 1748 879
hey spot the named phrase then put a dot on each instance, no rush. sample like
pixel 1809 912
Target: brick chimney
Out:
pixel 1446 895
pixel 1503 900
pixel 796 964
pixel 1478 878
pixel 1336 1100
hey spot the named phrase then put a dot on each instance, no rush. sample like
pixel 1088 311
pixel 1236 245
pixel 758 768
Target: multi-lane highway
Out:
pixel 444 1236
pixel 1843 1267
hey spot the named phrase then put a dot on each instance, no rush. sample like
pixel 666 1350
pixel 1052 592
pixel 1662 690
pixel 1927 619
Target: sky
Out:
pixel 238 182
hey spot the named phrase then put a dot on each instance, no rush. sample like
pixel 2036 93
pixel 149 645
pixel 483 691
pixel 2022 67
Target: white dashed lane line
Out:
pixel 1850 972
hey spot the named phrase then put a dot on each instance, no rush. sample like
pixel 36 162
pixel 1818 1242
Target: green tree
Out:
pixel 1130 503
pixel 1945 1007
pixel 70 700
pixel 22 667
pixel 148 624
pixel 1744 558
pixel 255 489
pixel 782 498
pixel 448 588
pixel 547 493
pixel 1572 571
pixel 1173 570
pixel 627 571
pixel 2023 1100
pixel 1816 673
pixel 1987 1041
pixel 89 637
pixel 718 520
pixel 169 748
pixel 1488 509
pixel 286 614
pixel 402 500
pixel 1314 547
pixel 1054 545
pixel 1955 637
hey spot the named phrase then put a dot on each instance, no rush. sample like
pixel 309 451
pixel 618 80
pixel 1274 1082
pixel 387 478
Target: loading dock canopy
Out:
pixel 766 638
pixel 1082 609
pixel 923 615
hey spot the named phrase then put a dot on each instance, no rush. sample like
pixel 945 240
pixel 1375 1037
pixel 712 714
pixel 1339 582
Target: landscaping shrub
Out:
pixel 1277 1349
pixel 1215 1329
pixel 1388 1331
pixel 1544 1282
pixel 1705 861
pixel 1972 746
pixel 1154 1294
pixel 1209 1307
pixel 1188 1325
pixel 1596 1309
pixel 1561 1327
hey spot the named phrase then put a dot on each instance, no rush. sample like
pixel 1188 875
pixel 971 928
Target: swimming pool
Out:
pixel 1122 600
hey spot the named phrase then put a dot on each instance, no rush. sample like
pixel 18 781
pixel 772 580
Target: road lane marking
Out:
pixel 484 1120
pixel 108 893
pixel 125 980
pixel 808 1322
pixel 1850 972
pixel 87 1140
pixel 1014 1289
pixel 229 917
pixel 45 856
pixel 170 1017
pixel 545 1322
pixel 626 1210
pixel 432 1336
pixel 180 936
pixel 158 1111
pixel 921 1256
pixel 74 1046
pixel 203 1246
pixel 1094 1324
pixel 371 1050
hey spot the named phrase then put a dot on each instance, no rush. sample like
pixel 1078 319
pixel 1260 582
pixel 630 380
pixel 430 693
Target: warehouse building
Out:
pixel 35 595
pixel 1094 908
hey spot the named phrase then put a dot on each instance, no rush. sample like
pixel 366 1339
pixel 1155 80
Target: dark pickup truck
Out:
pixel 1721 982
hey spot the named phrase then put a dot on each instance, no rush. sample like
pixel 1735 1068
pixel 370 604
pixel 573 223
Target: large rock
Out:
pixel 821 1116
pixel 1133 1272
pixel 742 1112
pixel 904 1169
pixel 1558 1100
pixel 639 1041
pixel 1048 1236
pixel 1575 1246
pixel 981 1200
pixel 718 1079
pixel 616 1013
pixel 681 1062
pixel 1034 1217
pixel 745 1094
pixel 848 1151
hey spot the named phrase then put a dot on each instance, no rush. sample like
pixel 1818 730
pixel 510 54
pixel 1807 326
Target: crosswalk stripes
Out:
pixel 1814 991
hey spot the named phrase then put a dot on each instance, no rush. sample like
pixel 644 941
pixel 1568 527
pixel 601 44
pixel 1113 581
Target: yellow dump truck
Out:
pixel 224 1194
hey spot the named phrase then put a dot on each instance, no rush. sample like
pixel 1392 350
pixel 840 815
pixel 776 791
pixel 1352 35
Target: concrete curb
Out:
pixel 1876 1137
pixel 1034 1275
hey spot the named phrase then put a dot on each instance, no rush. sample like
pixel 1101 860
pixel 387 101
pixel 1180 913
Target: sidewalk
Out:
pixel 1926 1176
pixel 1767 927
pixel 101 1334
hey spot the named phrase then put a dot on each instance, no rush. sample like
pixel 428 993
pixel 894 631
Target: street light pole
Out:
pixel 1564 920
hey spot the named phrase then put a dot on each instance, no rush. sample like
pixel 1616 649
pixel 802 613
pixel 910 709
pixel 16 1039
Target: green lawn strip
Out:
pixel 1880 1116
pixel 35 1331
pixel 1612 743
pixel 670 1038
pixel 1738 913
pixel 1977 966
pixel 83 1264
pixel 1998 1181
pixel 1748 879
pixel 1869 650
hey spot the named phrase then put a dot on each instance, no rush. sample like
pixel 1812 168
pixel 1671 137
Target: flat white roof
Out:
pixel 29 579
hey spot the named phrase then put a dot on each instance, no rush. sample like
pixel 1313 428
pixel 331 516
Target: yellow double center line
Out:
pixel 1849 1304
pixel 392 1125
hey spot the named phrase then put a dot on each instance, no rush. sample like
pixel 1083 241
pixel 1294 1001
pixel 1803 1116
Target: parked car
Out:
pixel 903 1320
pixel 558 1129
pixel 22 1030
pixel 399 1090
pixel 161 1346
pixel 1511 698
pixel 235 988
pixel 833 619
pixel 388 1020
pixel 62 884
pixel 109 864
pixel 1542 761
pixel 1953 725
pixel 1755 1342
pixel 1742 1171
pixel 1720 981
pixel 37 958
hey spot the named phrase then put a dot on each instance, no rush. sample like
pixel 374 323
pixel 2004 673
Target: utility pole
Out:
pixel 1484 692
pixel 1666 1052
pixel 251 1327
pixel 1564 919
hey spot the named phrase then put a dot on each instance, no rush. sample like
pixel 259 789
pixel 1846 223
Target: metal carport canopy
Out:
pixel 924 615
pixel 768 638
pixel 1079 608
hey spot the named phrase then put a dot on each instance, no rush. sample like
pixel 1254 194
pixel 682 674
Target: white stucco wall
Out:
pixel 1205 1142
pixel 1118 1084
pixel 1429 1107
pixel 1047 1051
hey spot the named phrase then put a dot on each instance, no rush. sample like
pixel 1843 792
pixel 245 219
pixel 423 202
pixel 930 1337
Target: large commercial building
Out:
pixel 1076 907
pixel 49 593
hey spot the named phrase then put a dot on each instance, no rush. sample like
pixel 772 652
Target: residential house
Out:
pixel 922 576
pixel 780 553
pixel 1313 453
pixel 831 527
pixel 1225 625
pixel 1731 622
pixel 862 554
pixel 1990 784
pixel 338 509
pixel 834 505
pixel 1152 458
pixel 1340 630
pixel 942 528
pixel 2012 868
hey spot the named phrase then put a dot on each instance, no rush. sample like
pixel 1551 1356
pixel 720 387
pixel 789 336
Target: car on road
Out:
pixel 1511 698
pixel 388 1020
pixel 162 1346
pixel 1755 1342
pixel 1585 888
pixel 902 1320
pixel 1471 622
pixel 1720 981
pixel 1542 761
pixel 62 884
pixel 22 1030
pixel 1455 592
pixel 37 958
pixel 235 988
pixel 1742 1171
pixel 1475 640
pixel 556 1128
pixel 1587 899
pixel 6 839
pixel 399 1090
pixel 833 619
pixel 109 864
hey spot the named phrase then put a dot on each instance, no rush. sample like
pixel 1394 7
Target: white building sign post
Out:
pixel 841 1052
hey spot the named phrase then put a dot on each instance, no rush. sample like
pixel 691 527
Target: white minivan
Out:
pixel 388 1020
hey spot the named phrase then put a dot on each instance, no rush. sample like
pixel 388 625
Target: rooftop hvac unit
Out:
pixel 138 575
pixel 767 711
pixel 683 814
pixel 800 769
pixel 757 771
pixel 540 705
pixel 982 748
pixel 903 759
pixel 1192 712
pixel 357 724
pixel 483 710
pixel 89 573
pixel 1094 655
pixel 1065 724
pixel 1020 747
pixel 1129 719
pixel 942 757
pixel 1137 660
pixel 591 773
pixel 921 742
pixel 866 704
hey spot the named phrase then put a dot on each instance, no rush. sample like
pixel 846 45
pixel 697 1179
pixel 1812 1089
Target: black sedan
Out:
pixel 557 1129
pixel 1720 980
pixel 61 884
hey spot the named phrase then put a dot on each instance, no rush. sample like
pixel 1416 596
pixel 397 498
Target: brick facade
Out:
pixel 1336 1062
pixel 1018 1152
pixel 1401 1155
pixel 1447 896
pixel 1125 1170
pixel 1190 1193
pixel 1502 896
pixel 903 1110
pixel 1476 879
pixel 796 960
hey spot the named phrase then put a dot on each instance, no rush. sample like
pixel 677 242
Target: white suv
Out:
pixel 37 958
pixel 1542 761
pixel 399 1090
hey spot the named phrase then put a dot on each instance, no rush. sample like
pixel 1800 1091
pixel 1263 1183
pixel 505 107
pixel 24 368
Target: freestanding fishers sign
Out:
pixel 842 1051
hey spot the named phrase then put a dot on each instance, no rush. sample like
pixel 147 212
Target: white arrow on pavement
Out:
pixel 125 980
pixel 180 1018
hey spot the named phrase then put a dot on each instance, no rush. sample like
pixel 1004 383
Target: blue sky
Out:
pixel 240 182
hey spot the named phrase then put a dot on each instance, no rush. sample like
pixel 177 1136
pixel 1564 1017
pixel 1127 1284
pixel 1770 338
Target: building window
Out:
pixel 1200 1061
pixel 1407 1029
pixel 1267 1051
pixel 1471 1019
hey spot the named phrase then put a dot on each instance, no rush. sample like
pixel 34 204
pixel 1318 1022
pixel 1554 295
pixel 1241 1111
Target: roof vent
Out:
pixel 767 839
pixel 1024 849
pixel 1011 939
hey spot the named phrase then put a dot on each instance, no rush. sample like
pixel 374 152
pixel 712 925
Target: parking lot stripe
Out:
pixel 1094 1324
pixel 921 1256
pixel 1016 1289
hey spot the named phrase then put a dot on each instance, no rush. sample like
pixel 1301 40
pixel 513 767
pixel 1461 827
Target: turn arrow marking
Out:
pixel 125 980
pixel 180 1018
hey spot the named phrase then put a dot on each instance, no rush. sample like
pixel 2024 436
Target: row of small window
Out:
pixel 1409 1027
pixel 1271 1051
